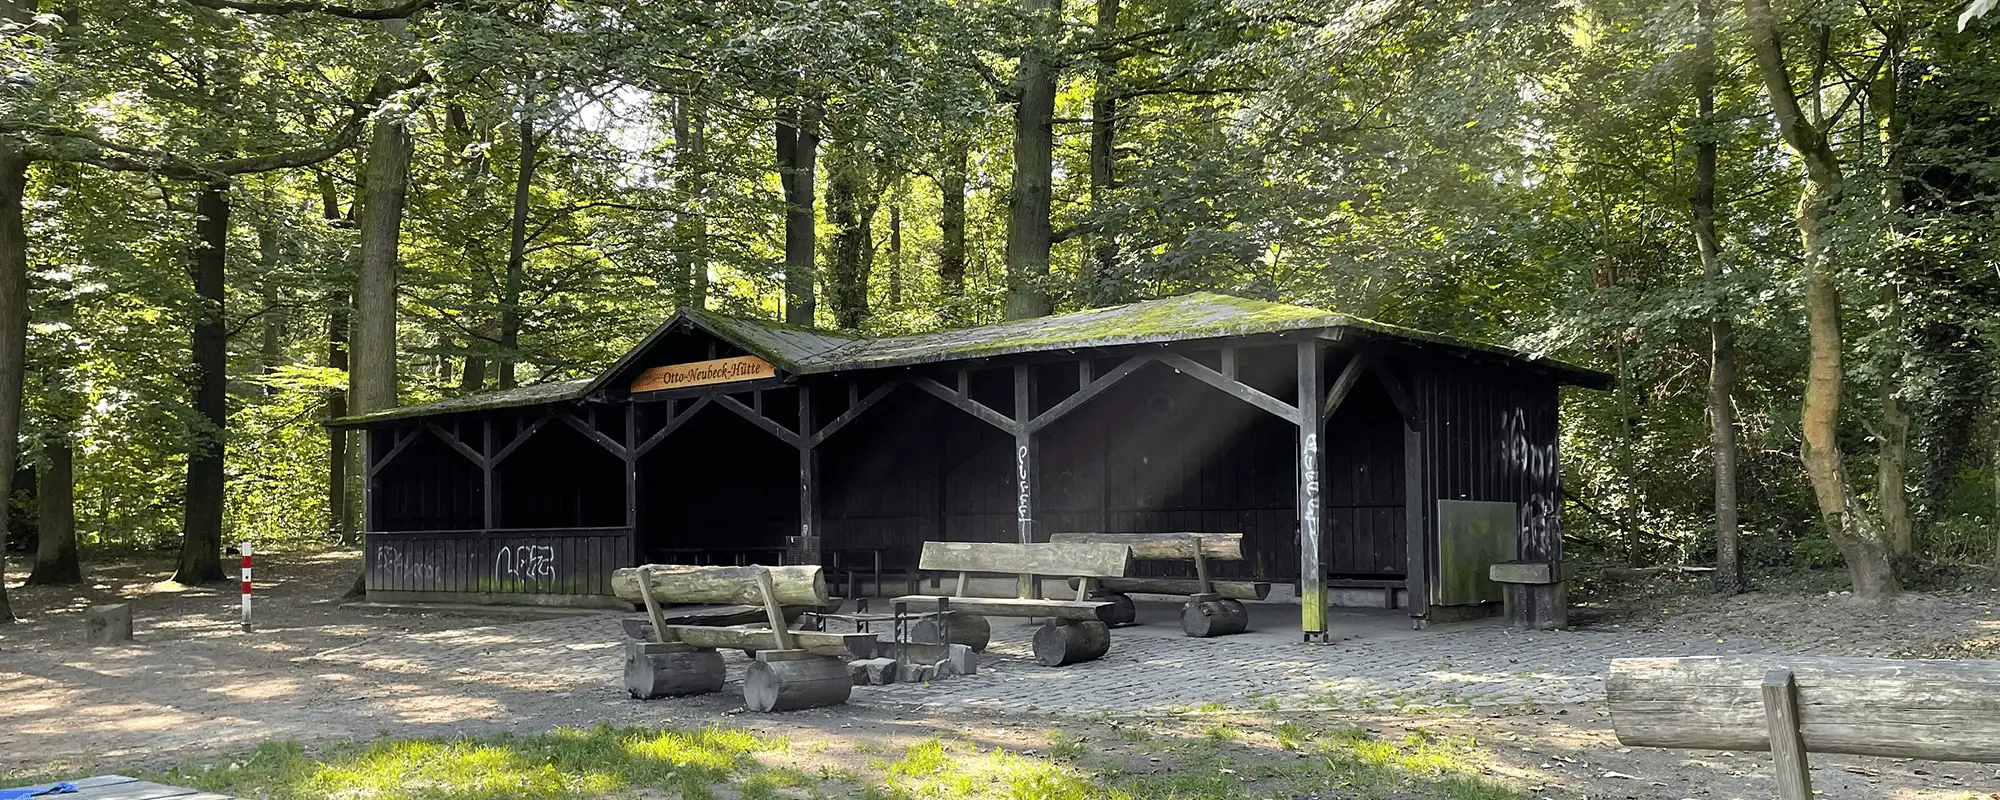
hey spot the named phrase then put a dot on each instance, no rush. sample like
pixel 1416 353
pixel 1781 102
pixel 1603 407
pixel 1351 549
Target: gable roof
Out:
pixel 807 351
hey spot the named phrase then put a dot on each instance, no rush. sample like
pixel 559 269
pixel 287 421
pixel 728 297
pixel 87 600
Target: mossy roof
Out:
pixel 805 351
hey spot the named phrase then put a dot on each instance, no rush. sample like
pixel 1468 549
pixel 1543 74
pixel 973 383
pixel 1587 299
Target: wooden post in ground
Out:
pixel 1312 465
pixel 1788 746
pixel 1027 469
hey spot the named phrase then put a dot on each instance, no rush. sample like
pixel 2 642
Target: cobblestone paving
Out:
pixel 1377 663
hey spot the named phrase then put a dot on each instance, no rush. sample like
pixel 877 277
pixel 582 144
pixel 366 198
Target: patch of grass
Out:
pixel 1064 746
pixel 566 762
pixel 1292 734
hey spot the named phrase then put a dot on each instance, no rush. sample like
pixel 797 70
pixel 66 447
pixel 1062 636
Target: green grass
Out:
pixel 1241 759
pixel 564 763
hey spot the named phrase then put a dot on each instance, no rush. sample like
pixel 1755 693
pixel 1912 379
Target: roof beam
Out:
pixel 673 423
pixel 965 403
pixel 1087 391
pixel 853 412
pixel 1238 389
pixel 787 435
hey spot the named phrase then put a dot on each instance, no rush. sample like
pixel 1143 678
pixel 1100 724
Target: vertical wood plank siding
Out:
pixel 568 561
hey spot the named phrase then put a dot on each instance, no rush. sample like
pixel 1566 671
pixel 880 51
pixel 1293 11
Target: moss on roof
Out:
pixel 537 394
pixel 805 351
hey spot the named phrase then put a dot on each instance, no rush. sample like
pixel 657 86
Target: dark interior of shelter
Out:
pixel 542 492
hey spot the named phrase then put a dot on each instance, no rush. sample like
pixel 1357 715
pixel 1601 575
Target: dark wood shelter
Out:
pixel 1349 453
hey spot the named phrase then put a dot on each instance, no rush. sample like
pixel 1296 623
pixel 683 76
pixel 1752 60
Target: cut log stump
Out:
pixel 788 680
pixel 1207 615
pixel 969 629
pixel 654 670
pixel 1123 610
pixel 110 624
pixel 1062 644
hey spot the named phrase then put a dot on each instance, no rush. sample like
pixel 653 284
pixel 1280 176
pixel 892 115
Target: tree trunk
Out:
pixel 201 537
pixel 1029 236
pixel 690 276
pixel 517 246
pixel 271 349
pixel 56 559
pixel 895 256
pixel 339 314
pixel 851 198
pixel 951 221
pixel 1893 453
pixel 1100 286
pixel 13 334
pixel 1859 537
pixel 385 186
pixel 798 149
pixel 1721 328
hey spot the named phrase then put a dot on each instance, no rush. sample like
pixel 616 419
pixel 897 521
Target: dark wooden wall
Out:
pixel 559 479
pixel 426 487
pixel 1491 435
pixel 717 482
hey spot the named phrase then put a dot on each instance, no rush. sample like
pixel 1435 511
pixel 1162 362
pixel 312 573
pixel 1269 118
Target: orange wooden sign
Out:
pixel 702 373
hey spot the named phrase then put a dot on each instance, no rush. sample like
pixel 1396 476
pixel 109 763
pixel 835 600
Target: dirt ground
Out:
pixel 196 688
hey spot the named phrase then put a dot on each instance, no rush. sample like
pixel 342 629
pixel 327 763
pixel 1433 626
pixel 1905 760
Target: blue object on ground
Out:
pixel 44 790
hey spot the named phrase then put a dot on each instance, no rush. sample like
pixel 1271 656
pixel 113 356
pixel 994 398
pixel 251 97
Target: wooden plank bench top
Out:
pixel 1164 546
pixel 1079 610
pixel 1087 561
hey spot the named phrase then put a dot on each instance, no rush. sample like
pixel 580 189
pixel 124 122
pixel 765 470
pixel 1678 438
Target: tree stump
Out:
pixel 110 624
pixel 1123 611
pixel 1060 644
pixel 971 630
pixel 654 670
pixel 787 680
pixel 1207 615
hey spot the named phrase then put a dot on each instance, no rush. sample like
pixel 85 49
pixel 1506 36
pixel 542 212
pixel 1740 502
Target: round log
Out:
pixel 1207 615
pixel 969 629
pixel 650 675
pixel 1069 643
pixel 795 586
pixel 1123 611
pixel 791 685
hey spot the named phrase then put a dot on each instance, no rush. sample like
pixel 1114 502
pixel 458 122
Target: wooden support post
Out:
pixel 653 606
pixel 1027 468
pixel 1201 569
pixel 1788 746
pixel 804 549
pixel 632 479
pixel 774 612
pixel 1312 465
pixel 1416 511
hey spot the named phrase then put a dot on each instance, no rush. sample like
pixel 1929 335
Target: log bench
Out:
pixel 1076 629
pixel 792 669
pixel 1936 710
pixel 1213 608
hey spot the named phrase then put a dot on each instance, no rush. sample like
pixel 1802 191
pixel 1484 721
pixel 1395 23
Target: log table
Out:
pixel 793 669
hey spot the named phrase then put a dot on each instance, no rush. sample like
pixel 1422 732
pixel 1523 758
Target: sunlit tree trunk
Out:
pixel 385 186
pixel 1029 236
pixel 201 539
pixel 1721 328
pixel 1856 532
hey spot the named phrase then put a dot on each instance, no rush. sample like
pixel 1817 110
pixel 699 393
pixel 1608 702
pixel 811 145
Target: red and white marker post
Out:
pixel 246 586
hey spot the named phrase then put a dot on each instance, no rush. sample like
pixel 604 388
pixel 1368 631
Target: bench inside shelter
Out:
pixel 1214 608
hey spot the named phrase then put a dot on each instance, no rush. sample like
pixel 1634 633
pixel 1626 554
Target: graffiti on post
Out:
pixel 1021 473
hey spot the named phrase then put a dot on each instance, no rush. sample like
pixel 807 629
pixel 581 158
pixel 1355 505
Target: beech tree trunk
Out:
pixel 798 149
pixel 852 195
pixel 13 333
pixel 1859 535
pixel 1101 285
pixel 1721 328
pixel 56 561
pixel 1029 235
pixel 895 256
pixel 529 149
pixel 951 220
pixel 1892 460
pixel 691 161
pixel 385 186
pixel 201 526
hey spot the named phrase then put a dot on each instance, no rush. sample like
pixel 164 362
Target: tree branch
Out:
pixel 401 10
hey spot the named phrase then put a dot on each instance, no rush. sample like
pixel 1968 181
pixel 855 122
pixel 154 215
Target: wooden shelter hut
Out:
pixel 1349 453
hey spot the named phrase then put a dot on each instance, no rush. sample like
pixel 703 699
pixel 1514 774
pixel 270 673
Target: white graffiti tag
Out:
pixel 534 565
pixel 1309 487
pixel 1022 514
pixel 389 561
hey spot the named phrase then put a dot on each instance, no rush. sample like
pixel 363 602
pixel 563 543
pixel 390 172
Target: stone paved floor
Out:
pixel 1376 662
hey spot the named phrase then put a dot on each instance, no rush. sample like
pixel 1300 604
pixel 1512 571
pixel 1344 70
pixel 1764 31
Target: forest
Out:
pixel 225 222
